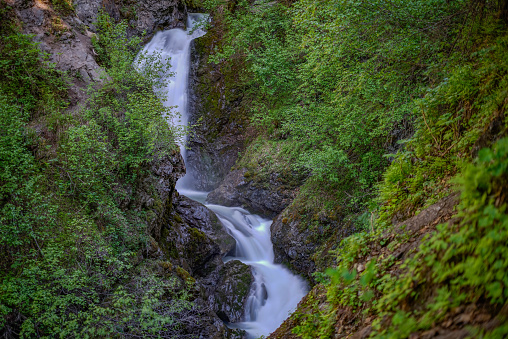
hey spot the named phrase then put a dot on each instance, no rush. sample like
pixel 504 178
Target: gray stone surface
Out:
pixel 196 214
pixel 235 190
pixel 291 245
pixel 143 16
pixel 232 291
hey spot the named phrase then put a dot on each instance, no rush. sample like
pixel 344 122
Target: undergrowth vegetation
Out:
pixel 461 263
pixel 390 105
pixel 339 80
pixel 71 244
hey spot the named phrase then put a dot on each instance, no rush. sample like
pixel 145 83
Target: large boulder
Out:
pixel 307 245
pixel 195 241
pixel 189 248
pixel 198 215
pixel 233 287
pixel 268 199
pixel 291 245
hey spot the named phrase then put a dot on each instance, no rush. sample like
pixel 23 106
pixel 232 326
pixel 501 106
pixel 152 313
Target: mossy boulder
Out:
pixel 200 217
pixel 233 287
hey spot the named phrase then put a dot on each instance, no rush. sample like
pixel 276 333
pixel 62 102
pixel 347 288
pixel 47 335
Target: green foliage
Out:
pixel 338 80
pixel 120 131
pixel 454 114
pixel 71 242
pixel 28 79
pixel 20 205
pixel 467 261
pixel 457 264
pixel 361 71
pixel 30 87
pixel 86 300
pixel 65 7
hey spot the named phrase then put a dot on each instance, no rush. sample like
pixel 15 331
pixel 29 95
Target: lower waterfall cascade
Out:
pixel 275 291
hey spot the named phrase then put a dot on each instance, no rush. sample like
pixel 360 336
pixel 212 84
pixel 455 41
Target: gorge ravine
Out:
pixel 275 291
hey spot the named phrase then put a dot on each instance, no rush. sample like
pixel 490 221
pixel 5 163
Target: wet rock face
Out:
pixel 306 246
pixel 291 245
pixel 209 162
pixel 267 200
pixel 194 213
pixel 219 132
pixel 196 241
pixel 232 291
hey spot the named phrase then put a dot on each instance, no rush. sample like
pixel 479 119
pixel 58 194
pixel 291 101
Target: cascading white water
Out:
pixel 174 46
pixel 275 291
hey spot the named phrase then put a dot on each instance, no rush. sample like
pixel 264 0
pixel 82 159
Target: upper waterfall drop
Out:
pixel 173 46
pixel 275 291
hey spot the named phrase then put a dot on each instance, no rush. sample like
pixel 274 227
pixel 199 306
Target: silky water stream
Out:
pixel 275 291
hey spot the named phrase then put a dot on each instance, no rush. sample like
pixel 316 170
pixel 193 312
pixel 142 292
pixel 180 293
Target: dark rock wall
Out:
pixel 236 190
pixel 219 130
pixel 305 247
pixel 142 15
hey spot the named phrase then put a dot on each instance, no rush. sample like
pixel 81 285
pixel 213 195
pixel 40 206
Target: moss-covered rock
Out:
pixel 232 291
pixel 200 217
pixel 216 103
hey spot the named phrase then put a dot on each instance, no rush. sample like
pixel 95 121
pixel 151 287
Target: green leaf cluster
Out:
pixel 459 263
pixel 72 228
pixel 338 81
pixel 456 118
pixel 464 261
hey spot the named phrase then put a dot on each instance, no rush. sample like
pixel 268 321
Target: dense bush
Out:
pixel 386 102
pixel 338 80
pixel 71 262
pixel 29 88
pixel 458 264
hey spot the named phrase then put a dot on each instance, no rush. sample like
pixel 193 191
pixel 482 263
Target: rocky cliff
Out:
pixel 65 33
pixel 219 124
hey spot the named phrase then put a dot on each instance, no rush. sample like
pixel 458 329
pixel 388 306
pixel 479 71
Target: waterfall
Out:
pixel 275 291
pixel 173 46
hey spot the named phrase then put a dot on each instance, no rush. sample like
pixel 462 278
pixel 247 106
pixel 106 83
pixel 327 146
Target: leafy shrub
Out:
pixel 30 87
pixel 28 79
pixel 70 236
pixel 454 115
pixel 466 261
pixel 338 80
pixel 461 262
